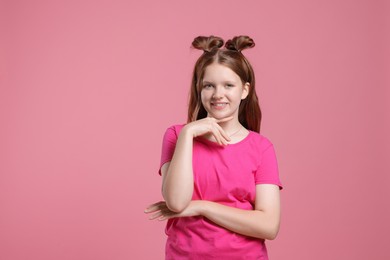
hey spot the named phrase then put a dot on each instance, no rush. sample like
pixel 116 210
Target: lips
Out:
pixel 219 105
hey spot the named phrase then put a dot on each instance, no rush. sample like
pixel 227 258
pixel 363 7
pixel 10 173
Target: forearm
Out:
pixel 178 183
pixel 253 223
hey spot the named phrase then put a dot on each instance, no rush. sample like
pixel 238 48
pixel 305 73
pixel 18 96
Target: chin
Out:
pixel 220 116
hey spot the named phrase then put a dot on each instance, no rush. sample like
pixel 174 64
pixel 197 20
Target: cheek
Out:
pixel 236 96
pixel 204 96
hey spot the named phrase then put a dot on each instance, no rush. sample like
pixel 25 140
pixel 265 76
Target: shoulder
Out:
pixel 174 130
pixel 260 140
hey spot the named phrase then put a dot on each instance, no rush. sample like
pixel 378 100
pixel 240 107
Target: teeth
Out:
pixel 219 105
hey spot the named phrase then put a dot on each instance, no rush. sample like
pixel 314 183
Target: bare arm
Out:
pixel 262 222
pixel 178 179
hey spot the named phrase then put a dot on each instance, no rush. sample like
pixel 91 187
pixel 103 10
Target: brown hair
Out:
pixel 249 114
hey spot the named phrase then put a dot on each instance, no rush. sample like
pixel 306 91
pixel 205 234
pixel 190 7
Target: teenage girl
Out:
pixel 220 178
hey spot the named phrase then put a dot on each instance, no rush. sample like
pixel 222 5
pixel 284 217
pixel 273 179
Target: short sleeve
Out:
pixel 268 172
pixel 168 146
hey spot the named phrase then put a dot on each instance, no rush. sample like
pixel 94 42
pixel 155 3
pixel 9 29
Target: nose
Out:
pixel 218 93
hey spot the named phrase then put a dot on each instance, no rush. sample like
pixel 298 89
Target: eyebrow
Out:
pixel 207 82
pixel 225 82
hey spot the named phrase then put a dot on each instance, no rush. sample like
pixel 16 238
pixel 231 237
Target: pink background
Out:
pixel 89 87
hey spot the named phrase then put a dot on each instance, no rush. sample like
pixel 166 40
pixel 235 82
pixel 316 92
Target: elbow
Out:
pixel 272 233
pixel 268 235
pixel 268 232
pixel 176 205
pixel 175 201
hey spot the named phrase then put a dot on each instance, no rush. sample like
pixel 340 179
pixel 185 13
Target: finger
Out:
pixel 223 133
pixel 151 210
pixel 222 136
pixel 154 207
pixel 224 119
pixel 223 140
pixel 162 218
pixel 165 217
pixel 217 136
pixel 156 215
pixel 156 204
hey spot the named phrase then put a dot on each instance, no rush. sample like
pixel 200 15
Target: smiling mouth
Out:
pixel 219 105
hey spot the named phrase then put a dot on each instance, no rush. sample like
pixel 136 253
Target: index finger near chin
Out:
pixel 225 119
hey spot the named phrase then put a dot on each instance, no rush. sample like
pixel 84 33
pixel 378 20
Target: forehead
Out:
pixel 219 72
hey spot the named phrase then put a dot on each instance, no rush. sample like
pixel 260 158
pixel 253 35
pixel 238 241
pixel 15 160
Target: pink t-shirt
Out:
pixel 226 175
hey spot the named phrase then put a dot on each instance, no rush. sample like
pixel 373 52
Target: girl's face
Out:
pixel 222 91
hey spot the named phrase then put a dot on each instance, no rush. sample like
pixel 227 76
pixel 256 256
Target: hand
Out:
pixel 160 211
pixel 209 125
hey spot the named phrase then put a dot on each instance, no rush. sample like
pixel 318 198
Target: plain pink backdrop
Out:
pixel 87 89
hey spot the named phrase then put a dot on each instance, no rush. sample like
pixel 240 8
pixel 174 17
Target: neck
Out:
pixel 230 126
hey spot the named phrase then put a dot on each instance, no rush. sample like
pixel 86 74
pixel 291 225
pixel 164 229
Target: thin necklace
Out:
pixel 236 131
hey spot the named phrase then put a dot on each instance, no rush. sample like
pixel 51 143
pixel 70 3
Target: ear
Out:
pixel 245 90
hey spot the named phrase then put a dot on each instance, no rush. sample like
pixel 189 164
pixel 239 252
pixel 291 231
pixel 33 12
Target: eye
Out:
pixel 229 85
pixel 207 86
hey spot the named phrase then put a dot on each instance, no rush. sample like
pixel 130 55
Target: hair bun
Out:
pixel 240 43
pixel 207 44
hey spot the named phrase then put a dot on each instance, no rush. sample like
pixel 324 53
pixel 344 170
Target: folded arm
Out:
pixel 262 222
